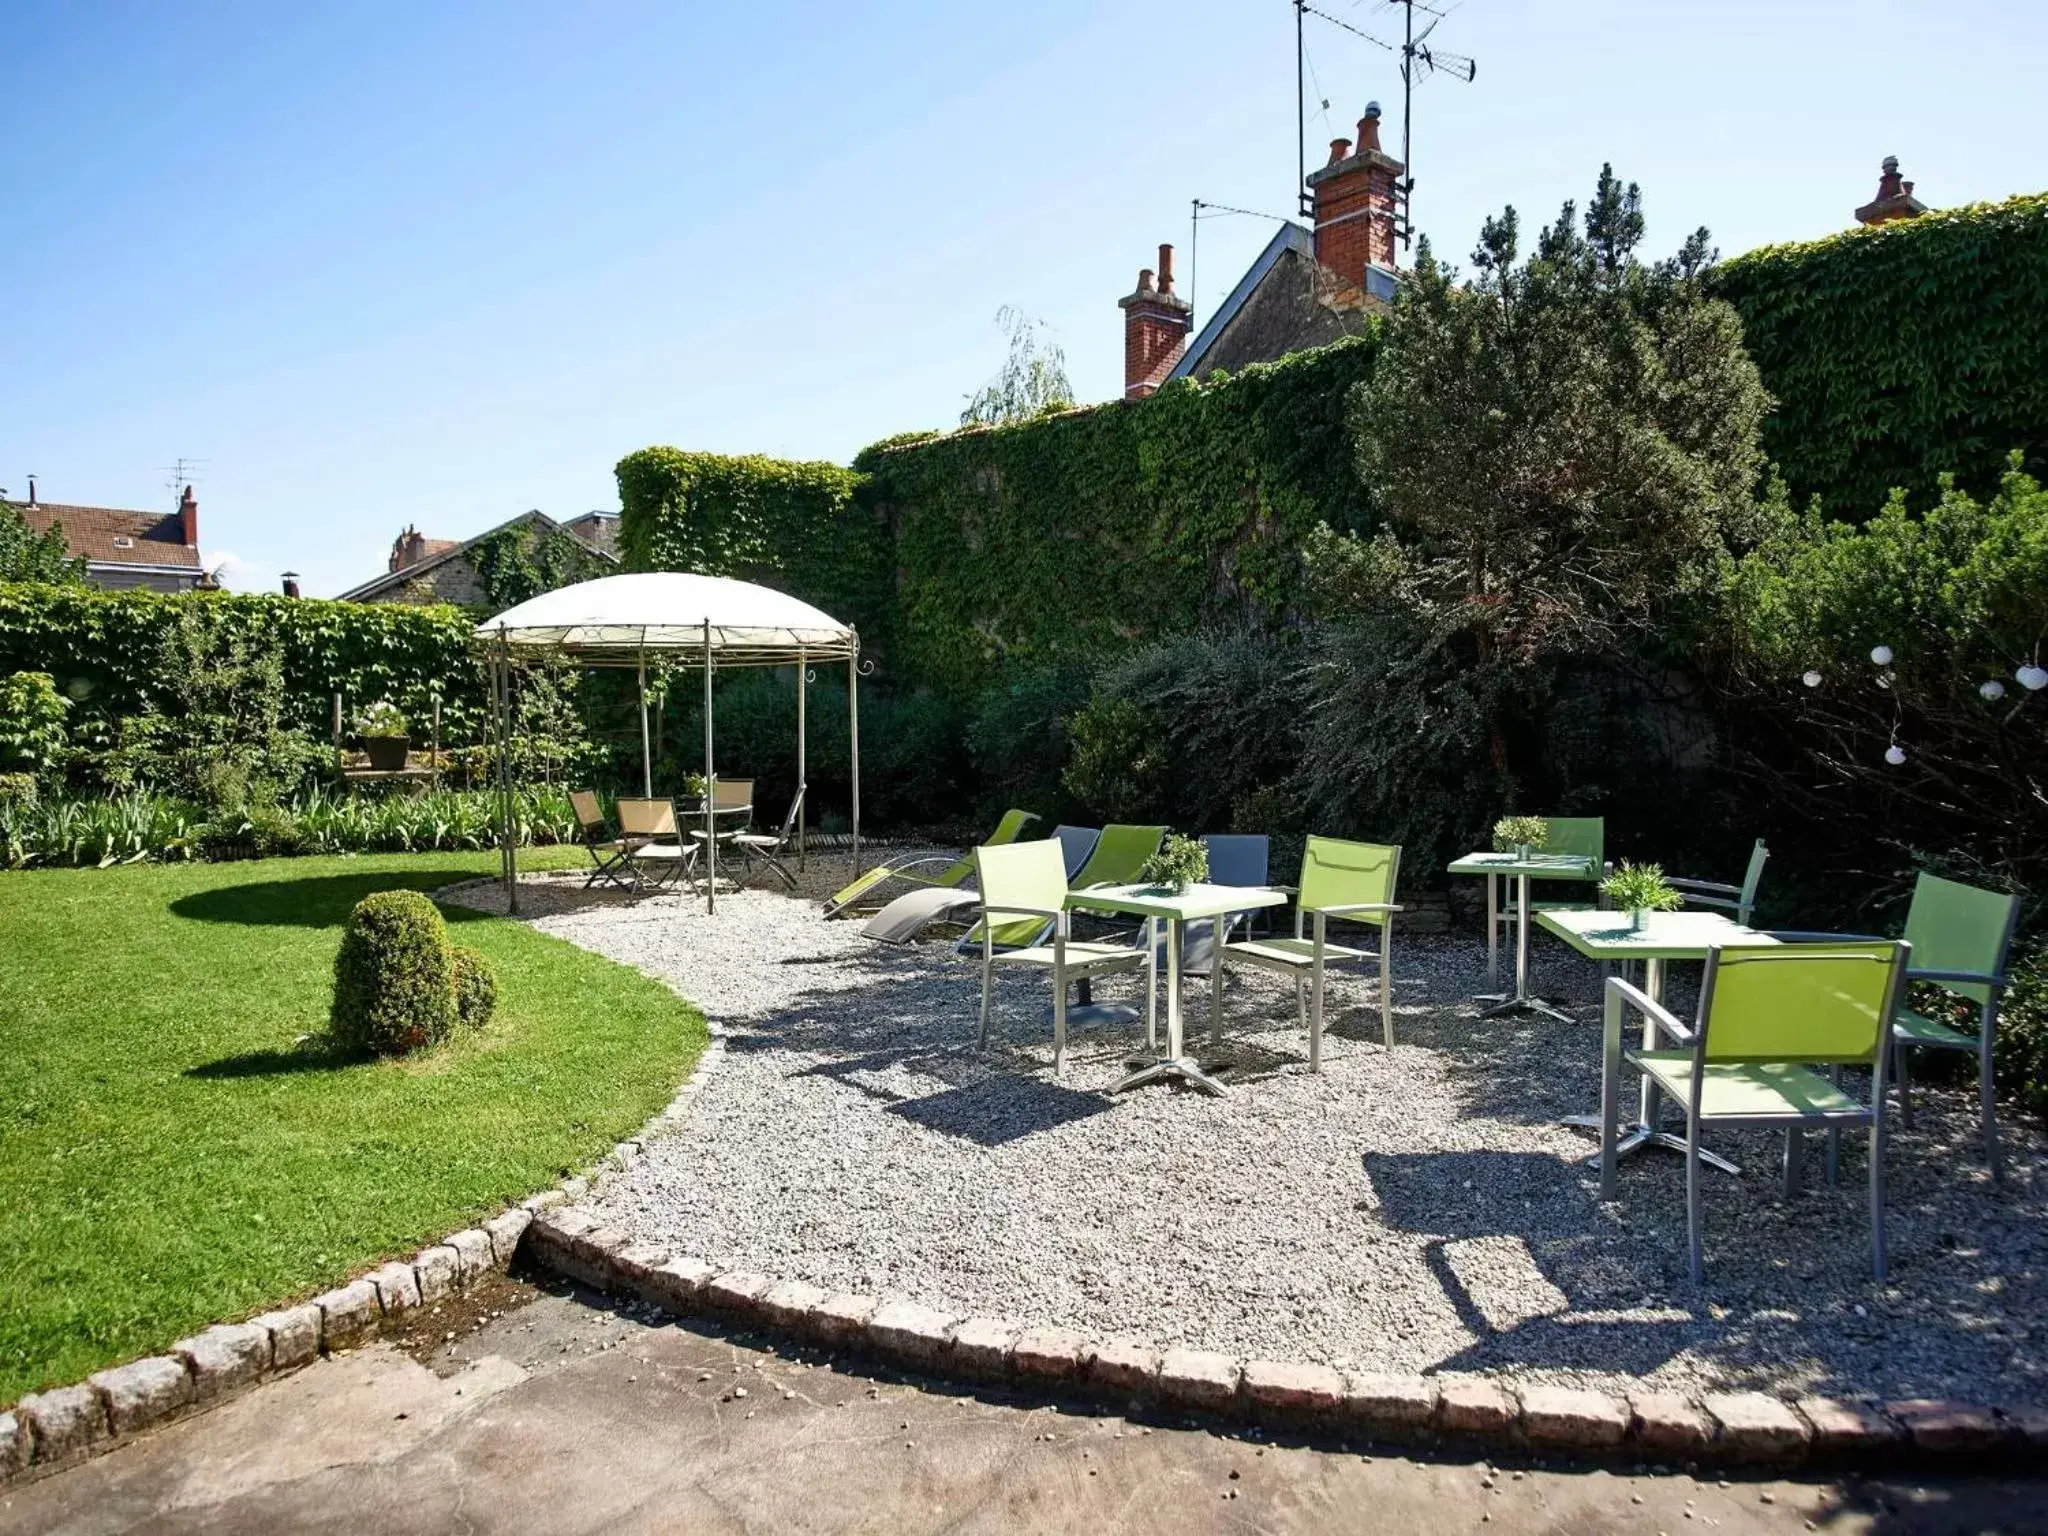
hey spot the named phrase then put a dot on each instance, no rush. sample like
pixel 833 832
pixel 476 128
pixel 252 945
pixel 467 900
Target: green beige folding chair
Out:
pixel 1961 938
pixel 1774 1028
pixel 653 852
pixel 953 873
pixel 1342 882
pixel 607 853
pixel 1024 892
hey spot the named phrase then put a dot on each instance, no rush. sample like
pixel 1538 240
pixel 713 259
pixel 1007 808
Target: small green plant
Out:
pixel 1179 863
pixel 394 982
pixel 18 790
pixel 382 719
pixel 1512 832
pixel 1640 888
pixel 476 988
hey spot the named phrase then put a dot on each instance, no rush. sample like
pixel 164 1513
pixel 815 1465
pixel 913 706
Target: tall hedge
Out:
pixel 1069 538
pixel 791 526
pixel 1903 351
pixel 105 649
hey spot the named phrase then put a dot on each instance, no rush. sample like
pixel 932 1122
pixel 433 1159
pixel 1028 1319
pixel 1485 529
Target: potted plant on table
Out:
pixel 1523 836
pixel 1639 890
pixel 1179 863
pixel 386 736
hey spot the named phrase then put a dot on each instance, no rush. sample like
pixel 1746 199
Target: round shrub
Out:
pixel 394 983
pixel 476 987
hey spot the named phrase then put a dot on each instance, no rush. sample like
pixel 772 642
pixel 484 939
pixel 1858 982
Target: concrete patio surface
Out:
pixel 524 1411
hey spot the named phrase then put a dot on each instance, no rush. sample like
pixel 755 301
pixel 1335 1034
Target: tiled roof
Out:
pixel 146 538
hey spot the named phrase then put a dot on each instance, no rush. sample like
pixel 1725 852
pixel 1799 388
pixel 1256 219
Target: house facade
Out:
pixel 154 551
pixel 424 570
pixel 1312 285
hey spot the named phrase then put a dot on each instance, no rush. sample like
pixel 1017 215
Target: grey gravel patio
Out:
pixel 1413 1210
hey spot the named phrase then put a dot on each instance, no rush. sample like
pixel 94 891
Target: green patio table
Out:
pixel 1665 936
pixel 1540 866
pixel 1163 904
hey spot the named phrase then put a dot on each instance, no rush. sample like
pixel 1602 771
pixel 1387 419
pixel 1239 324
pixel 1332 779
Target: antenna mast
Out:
pixel 1418 62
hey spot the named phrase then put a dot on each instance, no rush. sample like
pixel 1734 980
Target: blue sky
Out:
pixel 438 263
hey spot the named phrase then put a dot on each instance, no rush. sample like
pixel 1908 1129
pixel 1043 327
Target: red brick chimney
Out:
pixel 409 548
pixel 1894 200
pixel 188 516
pixel 1354 204
pixel 1156 322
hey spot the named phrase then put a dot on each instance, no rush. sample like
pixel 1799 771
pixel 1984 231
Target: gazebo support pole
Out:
pixel 802 783
pixel 853 731
pixel 501 702
pixel 710 790
pixel 646 751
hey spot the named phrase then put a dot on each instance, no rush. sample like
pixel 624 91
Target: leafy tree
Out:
pixel 26 555
pixel 1033 380
pixel 32 711
pixel 1565 438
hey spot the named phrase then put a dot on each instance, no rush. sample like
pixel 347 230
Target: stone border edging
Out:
pixel 48 1432
pixel 1752 1430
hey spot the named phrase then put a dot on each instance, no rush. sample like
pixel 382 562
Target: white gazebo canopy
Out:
pixel 682 618
pixel 618 619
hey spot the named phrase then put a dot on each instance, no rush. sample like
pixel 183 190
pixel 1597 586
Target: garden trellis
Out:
pixel 684 619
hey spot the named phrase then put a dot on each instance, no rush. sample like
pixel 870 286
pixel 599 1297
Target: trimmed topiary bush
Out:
pixel 476 987
pixel 394 982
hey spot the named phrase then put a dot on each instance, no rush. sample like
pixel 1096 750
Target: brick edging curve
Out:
pixel 1484 1413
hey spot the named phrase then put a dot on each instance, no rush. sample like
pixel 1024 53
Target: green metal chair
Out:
pixel 1961 937
pixel 1026 883
pixel 1773 1029
pixel 1348 882
pixel 1585 835
pixel 955 871
pixel 1738 899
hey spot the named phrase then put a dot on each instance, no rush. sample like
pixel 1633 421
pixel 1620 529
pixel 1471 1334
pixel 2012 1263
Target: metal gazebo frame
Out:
pixel 708 621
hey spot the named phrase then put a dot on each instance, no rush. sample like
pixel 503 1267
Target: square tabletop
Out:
pixel 1669 936
pixel 1538 866
pixel 1145 900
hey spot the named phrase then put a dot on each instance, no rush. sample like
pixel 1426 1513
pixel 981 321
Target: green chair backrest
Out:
pixel 1119 854
pixel 1752 878
pixel 1579 834
pixel 1800 1002
pixel 1014 821
pixel 1956 927
pixel 1027 875
pixel 1335 873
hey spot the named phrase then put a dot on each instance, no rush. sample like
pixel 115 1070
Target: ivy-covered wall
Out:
pixel 1072 537
pixel 1903 351
pixel 105 650
pixel 792 526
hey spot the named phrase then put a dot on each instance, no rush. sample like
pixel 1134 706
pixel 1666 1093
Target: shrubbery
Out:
pixel 394 978
pixel 476 987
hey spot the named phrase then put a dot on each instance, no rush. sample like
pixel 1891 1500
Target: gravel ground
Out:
pixel 1418 1209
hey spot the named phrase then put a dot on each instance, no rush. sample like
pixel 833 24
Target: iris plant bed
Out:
pixel 177 1146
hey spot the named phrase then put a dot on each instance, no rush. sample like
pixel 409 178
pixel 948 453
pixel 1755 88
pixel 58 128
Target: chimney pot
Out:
pixel 291 583
pixel 31 490
pixel 1369 128
pixel 1145 280
pixel 1166 269
pixel 1340 149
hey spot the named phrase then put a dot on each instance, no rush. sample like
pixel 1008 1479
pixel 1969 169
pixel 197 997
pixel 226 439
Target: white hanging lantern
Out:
pixel 1812 679
pixel 2033 678
pixel 1991 688
pixel 1881 655
pixel 1895 754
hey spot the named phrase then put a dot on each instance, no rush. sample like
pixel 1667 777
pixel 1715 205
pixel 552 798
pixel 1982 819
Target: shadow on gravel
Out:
pixel 998 1111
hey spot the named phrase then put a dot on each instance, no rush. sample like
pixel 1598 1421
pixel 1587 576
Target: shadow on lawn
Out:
pixel 317 1055
pixel 318 901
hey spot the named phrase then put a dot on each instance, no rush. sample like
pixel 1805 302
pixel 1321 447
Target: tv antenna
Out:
pixel 183 473
pixel 1419 61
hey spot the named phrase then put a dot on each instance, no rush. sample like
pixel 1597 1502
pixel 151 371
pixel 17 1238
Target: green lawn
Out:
pixel 169 1158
